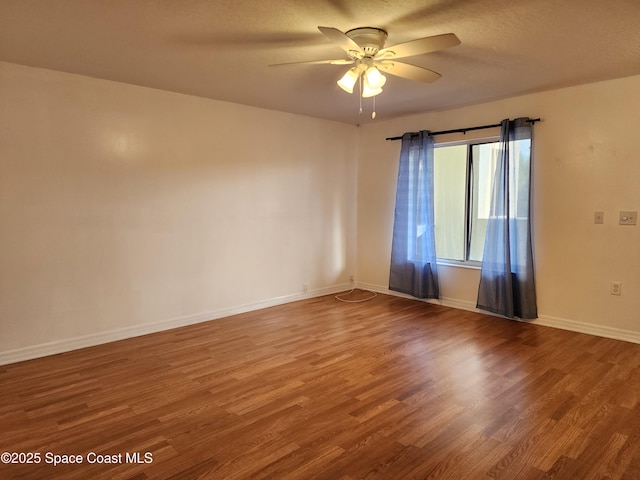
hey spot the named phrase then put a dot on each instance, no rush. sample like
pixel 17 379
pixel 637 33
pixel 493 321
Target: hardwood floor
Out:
pixel 387 389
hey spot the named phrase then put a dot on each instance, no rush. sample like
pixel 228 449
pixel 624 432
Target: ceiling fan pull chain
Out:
pixel 373 114
pixel 360 83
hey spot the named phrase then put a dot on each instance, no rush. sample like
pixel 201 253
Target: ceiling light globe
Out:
pixel 348 80
pixel 374 78
pixel 369 90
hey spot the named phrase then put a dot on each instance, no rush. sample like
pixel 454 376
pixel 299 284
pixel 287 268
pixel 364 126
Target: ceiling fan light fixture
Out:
pixel 369 90
pixel 374 78
pixel 349 79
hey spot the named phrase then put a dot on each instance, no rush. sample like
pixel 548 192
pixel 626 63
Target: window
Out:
pixel 462 202
pixel 462 190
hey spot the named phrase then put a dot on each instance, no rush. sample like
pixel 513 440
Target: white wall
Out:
pixel 125 210
pixel 586 158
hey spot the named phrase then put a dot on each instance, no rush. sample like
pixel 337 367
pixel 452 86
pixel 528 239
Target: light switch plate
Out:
pixel 598 218
pixel 628 218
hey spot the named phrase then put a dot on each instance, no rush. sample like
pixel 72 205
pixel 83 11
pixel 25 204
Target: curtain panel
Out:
pixel 413 253
pixel 507 285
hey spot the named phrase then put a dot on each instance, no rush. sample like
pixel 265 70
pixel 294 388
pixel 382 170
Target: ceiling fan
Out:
pixel 365 50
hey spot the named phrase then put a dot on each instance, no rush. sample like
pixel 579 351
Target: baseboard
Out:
pixel 588 328
pixel 544 320
pixel 445 301
pixel 61 346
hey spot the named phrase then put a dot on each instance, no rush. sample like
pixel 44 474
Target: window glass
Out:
pixel 450 177
pixel 463 181
pixel 483 162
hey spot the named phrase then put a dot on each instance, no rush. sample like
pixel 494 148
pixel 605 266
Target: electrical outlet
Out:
pixel 616 288
pixel 351 279
pixel 305 287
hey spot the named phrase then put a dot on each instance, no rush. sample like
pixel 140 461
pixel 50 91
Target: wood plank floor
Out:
pixel 387 389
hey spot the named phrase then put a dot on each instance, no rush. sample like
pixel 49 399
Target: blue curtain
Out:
pixel 507 284
pixel 413 251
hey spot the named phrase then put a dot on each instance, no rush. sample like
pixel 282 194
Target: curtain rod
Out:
pixel 464 130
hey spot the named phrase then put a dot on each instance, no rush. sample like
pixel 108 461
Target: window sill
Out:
pixel 454 263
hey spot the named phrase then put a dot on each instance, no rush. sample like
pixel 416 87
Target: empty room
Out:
pixel 319 239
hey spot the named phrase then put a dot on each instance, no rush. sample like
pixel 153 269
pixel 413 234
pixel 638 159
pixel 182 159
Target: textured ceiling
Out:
pixel 223 49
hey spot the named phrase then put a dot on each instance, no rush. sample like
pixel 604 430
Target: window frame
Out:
pixel 469 143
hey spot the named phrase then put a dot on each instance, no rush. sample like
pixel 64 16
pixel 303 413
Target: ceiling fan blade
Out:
pixel 412 72
pixel 341 61
pixel 420 46
pixel 342 40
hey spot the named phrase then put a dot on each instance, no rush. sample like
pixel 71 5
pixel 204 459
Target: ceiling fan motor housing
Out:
pixel 369 38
